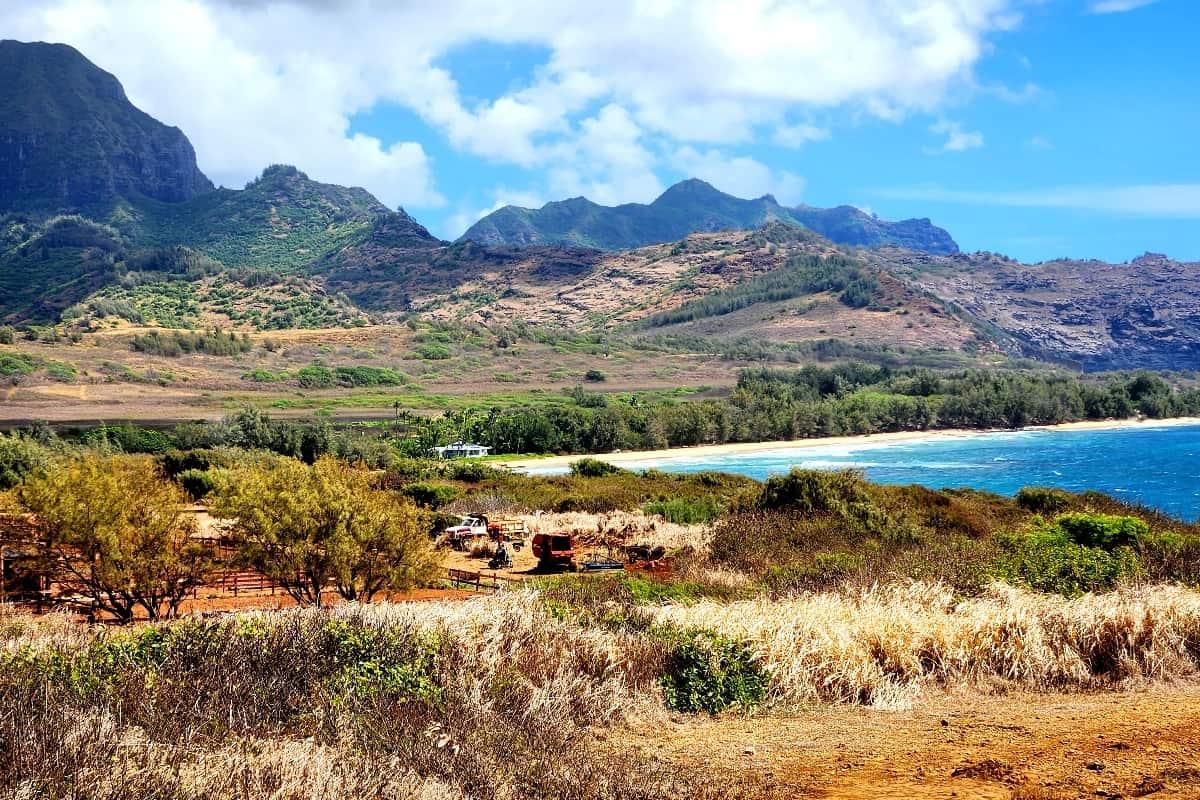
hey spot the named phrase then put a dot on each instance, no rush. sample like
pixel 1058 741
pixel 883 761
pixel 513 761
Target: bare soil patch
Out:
pixel 1136 743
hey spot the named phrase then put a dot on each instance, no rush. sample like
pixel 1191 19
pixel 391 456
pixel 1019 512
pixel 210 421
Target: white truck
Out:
pixel 472 528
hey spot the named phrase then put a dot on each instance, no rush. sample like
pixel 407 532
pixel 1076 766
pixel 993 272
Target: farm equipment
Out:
pixel 512 531
pixel 502 558
pixel 554 550
pixel 471 529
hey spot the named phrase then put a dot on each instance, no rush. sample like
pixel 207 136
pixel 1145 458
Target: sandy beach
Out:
pixel 558 463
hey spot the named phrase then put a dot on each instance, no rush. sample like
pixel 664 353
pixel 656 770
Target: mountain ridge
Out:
pixel 693 206
pixel 71 140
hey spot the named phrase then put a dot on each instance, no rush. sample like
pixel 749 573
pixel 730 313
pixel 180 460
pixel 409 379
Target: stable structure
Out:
pixel 462 450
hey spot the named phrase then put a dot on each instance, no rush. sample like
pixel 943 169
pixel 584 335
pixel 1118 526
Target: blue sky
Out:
pixel 1036 128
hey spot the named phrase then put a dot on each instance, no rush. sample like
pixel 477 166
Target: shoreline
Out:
pixel 540 464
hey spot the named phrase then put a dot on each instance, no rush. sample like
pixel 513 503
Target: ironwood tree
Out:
pixel 117 531
pixel 325 525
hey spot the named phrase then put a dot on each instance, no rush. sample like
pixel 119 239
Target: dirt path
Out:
pixel 1143 743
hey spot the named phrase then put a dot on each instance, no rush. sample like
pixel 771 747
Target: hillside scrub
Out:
pixel 442 700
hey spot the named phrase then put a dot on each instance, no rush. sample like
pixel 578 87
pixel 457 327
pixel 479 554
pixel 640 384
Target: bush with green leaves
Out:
pixel 431 495
pixel 711 673
pixel 1106 531
pixel 432 351
pixel 198 483
pixel 1074 554
pixel 1043 500
pixel 20 457
pixel 593 468
pixel 315 376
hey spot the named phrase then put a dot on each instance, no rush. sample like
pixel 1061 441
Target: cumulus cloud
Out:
pixel 625 85
pixel 799 135
pixel 1179 200
pixel 958 140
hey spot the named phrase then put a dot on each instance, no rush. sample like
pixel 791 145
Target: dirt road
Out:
pixel 1139 743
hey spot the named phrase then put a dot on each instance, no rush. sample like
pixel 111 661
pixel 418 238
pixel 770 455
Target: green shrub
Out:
pixel 594 376
pixel 593 468
pixel 1043 500
pixel 19 458
pixel 196 482
pixel 709 672
pixel 174 462
pixel 1105 531
pixel 7 334
pixel 814 492
pixel 1048 561
pixel 686 511
pixel 432 351
pixel 17 365
pixel 470 471
pixel 370 662
pixel 131 438
pixel 60 371
pixel 265 376
pixel 369 376
pixel 431 495
pixel 315 376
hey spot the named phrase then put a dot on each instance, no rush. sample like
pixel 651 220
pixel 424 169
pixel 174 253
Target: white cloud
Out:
pixel 1117 6
pixel 1179 200
pixel 799 135
pixel 741 176
pixel 260 81
pixel 957 139
pixel 1040 143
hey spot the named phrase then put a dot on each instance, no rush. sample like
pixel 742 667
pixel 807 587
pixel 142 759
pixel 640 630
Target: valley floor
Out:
pixel 1031 746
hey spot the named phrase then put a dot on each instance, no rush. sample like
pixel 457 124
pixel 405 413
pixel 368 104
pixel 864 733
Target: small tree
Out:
pixel 309 527
pixel 115 530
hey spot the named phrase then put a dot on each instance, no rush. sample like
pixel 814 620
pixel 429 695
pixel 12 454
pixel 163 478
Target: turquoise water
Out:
pixel 1158 466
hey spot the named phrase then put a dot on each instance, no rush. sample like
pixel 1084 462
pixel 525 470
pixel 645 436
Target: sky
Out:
pixel 1034 128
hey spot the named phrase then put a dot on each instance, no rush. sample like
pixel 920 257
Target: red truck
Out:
pixel 554 550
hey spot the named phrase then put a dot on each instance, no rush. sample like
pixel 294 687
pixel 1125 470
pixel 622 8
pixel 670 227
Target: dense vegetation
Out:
pixel 178 343
pixel 768 405
pixel 801 275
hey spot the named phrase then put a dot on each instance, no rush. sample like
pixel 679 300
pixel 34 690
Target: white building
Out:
pixel 462 450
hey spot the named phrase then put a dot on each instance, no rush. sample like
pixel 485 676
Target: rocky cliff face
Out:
pixel 693 206
pixel 1091 314
pixel 71 140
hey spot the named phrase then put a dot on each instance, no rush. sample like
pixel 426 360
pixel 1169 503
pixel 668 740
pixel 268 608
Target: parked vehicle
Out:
pixel 472 528
pixel 512 531
pixel 554 550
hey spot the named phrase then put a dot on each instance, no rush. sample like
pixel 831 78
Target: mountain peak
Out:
pixel 70 138
pixel 690 190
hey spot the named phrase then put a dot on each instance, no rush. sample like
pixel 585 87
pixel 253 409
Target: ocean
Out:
pixel 1155 465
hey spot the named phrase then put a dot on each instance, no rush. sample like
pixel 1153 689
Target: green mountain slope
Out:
pixel 692 206
pixel 283 221
pixel 71 140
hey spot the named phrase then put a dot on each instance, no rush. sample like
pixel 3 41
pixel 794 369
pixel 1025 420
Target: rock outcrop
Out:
pixel 71 140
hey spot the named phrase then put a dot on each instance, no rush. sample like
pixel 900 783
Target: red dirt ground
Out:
pixel 1019 746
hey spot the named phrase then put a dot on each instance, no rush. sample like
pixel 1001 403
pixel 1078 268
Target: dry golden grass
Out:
pixel 881 647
